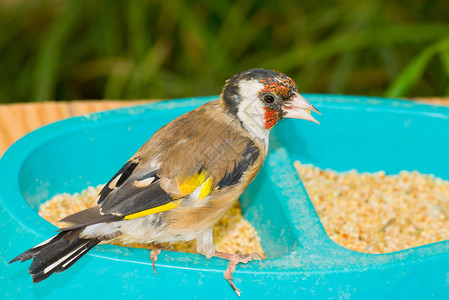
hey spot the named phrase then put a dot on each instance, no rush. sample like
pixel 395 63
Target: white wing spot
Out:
pixel 113 184
pixel 144 183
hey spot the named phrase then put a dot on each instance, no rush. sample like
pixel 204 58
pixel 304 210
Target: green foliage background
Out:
pixel 116 49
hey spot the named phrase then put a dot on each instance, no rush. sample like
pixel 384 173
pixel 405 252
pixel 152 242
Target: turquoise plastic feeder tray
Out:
pixel 367 134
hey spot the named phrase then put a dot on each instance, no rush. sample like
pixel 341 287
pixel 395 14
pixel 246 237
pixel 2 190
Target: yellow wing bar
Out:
pixel 206 188
pixel 154 210
pixel 199 180
pixel 196 181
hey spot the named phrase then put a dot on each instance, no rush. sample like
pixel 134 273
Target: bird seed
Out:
pixel 379 213
pixel 232 233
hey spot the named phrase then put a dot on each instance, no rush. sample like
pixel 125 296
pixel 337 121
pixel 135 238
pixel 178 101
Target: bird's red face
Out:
pixel 282 100
pixel 260 98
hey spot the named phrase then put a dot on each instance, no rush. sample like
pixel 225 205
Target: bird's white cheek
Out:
pixel 251 114
pixel 250 111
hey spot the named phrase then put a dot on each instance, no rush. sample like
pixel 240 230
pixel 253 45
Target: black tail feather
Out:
pixel 77 255
pixel 57 254
pixel 31 253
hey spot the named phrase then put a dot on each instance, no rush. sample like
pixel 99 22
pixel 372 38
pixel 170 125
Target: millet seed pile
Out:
pixel 378 213
pixel 232 233
pixel 368 212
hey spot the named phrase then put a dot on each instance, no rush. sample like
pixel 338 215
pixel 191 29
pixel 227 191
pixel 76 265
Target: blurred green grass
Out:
pixel 112 49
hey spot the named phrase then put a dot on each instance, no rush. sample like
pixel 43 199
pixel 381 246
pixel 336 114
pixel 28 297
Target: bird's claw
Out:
pixel 155 251
pixel 234 260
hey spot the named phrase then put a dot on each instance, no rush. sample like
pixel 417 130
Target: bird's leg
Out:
pixel 205 244
pixel 155 251
pixel 234 260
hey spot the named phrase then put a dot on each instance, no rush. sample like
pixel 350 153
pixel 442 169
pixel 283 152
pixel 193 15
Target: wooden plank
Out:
pixel 16 120
pixel 433 101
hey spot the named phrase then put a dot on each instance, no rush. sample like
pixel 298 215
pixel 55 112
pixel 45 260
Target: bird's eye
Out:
pixel 268 98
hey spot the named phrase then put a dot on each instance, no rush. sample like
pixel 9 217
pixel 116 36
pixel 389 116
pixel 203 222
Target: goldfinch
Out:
pixel 184 178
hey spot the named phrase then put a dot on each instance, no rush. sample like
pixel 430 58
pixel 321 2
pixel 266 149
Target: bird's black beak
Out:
pixel 299 108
